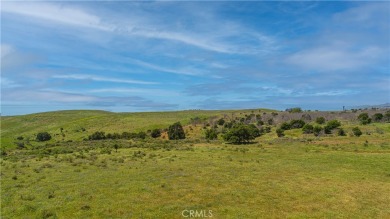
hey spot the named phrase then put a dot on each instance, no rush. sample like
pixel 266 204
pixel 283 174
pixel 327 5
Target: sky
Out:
pixel 126 56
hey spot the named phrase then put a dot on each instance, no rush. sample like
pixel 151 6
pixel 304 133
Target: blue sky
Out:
pixel 157 56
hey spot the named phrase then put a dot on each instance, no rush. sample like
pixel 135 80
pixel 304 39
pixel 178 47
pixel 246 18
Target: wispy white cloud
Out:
pixel 12 58
pixel 102 79
pixel 56 13
pixel 180 71
pixel 334 58
pixel 212 40
pixel 131 91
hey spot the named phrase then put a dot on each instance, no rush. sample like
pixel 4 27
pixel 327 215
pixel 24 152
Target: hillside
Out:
pixel 74 121
pixel 297 175
pixel 76 125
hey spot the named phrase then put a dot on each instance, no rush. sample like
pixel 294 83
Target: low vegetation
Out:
pixel 239 164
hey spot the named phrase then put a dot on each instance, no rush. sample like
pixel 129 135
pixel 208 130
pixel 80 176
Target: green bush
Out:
pixel 211 134
pixel 297 124
pixel 241 133
pixel 320 120
pixel 176 132
pixel 43 136
pixel 221 121
pixel 155 133
pixel 341 132
pixel 317 130
pixel 307 129
pixel 377 117
pixel 97 136
pixel 364 119
pixel 280 132
pixel 332 124
pixel 285 126
pixel 356 131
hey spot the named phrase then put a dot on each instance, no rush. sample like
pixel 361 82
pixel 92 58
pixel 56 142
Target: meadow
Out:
pixel 295 176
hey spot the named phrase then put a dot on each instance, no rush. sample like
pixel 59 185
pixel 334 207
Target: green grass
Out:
pixel 296 176
pixel 284 178
pixel 73 120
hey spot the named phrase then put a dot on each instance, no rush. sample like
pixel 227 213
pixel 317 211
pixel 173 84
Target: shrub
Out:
pixel 126 135
pixel 387 116
pixel 332 124
pixel 320 120
pixel 176 132
pixel 211 134
pixel 116 147
pixel 155 133
pixel 297 124
pixel 377 117
pixel 221 121
pixel 356 131
pixel 241 133
pixel 306 117
pixel 307 129
pixel 285 126
pixel 294 110
pixel 20 145
pixel 43 136
pixel 97 136
pixel 327 130
pixel 341 132
pixel 364 119
pixel 141 135
pixel 280 132
pixel 317 130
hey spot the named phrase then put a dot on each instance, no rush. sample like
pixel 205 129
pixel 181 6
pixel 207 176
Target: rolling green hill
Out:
pixel 295 176
pixel 74 121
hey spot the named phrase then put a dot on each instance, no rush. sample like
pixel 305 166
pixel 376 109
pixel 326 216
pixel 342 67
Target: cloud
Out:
pixel 218 38
pixel 36 97
pixel 7 83
pixel 55 13
pixel 102 79
pixel 152 92
pixel 12 59
pixel 334 58
pixel 179 71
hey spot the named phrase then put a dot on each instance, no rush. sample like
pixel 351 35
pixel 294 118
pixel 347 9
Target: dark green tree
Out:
pixel 176 132
pixel 43 136
pixel 241 133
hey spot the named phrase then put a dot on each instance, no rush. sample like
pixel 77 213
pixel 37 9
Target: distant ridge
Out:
pixel 381 106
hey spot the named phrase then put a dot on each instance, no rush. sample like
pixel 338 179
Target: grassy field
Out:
pixel 296 176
